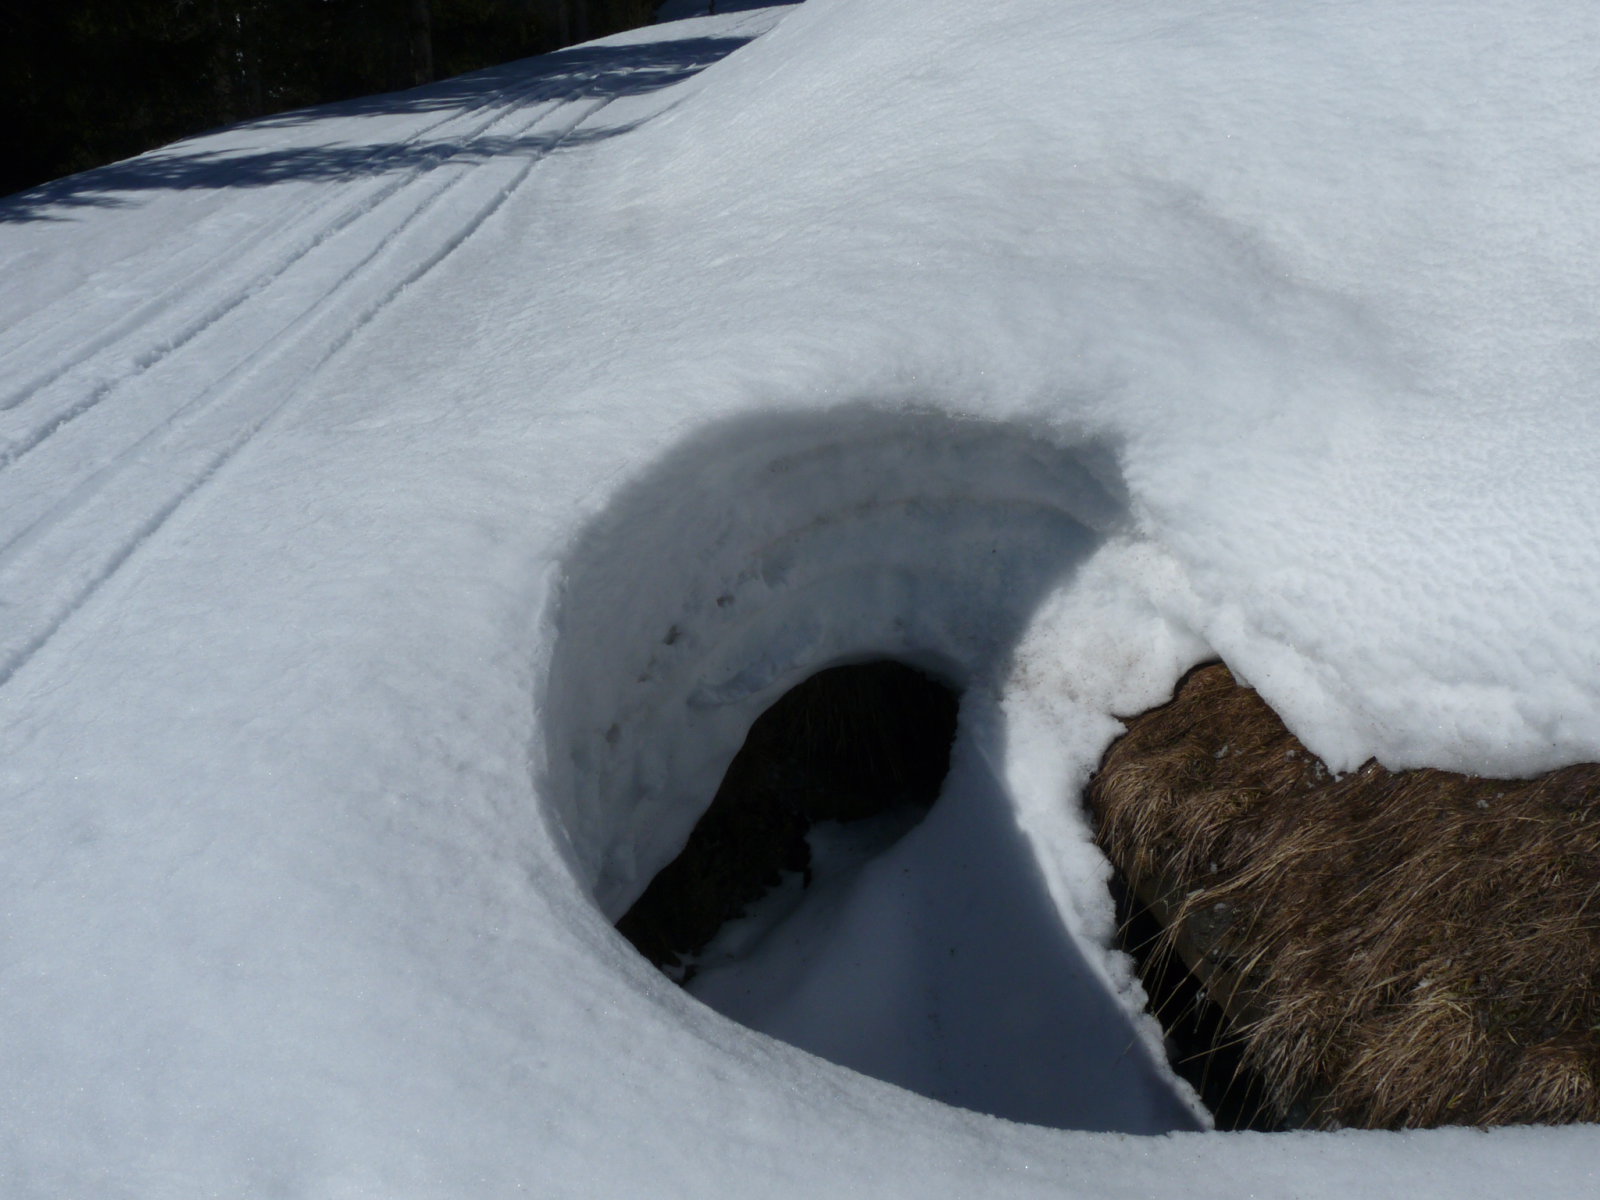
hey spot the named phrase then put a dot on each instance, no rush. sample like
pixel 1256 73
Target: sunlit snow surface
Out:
pixel 406 507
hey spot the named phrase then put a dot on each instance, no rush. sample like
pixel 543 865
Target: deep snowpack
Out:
pixel 407 505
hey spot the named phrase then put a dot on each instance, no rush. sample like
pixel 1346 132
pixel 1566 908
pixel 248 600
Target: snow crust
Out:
pixel 407 505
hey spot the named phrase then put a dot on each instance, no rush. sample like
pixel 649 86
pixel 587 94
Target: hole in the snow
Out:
pixel 836 770
pixel 930 953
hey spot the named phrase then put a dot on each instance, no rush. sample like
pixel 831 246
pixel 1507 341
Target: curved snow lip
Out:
pixel 763 549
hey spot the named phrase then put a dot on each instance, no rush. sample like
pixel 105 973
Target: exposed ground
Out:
pixel 848 743
pixel 1392 949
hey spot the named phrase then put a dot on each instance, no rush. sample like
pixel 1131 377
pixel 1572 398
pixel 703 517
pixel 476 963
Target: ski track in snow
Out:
pixel 323 211
pixel 66 479
pixel 197 318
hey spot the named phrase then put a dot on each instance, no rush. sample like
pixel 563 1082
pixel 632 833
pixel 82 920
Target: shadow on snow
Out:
pixel 577 74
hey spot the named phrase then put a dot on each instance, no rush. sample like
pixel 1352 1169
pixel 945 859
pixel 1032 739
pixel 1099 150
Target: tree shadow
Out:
pixel 581 73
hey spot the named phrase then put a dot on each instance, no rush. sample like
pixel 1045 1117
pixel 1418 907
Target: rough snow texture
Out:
pixel 406 506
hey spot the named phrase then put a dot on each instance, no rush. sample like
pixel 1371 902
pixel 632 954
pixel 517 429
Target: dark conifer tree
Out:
pixel 83 82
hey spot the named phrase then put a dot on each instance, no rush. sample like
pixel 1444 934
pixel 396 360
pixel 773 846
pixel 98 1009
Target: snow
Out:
pixel 407 505
pixel 940 966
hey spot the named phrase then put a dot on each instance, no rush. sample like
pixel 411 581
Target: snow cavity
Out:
pixel 758 553
pixel 763 550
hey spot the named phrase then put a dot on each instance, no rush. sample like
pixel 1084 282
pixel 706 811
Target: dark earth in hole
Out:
pixel 848 743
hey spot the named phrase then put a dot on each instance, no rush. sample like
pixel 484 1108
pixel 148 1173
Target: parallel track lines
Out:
pixel 85 355
pixel 70 540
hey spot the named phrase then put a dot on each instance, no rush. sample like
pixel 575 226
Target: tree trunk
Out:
pixel 224 57
pixel 421 42
pixel 250 64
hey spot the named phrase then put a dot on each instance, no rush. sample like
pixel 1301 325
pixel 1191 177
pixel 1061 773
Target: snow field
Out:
pixel 416 499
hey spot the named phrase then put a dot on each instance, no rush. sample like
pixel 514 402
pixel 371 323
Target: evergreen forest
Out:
pixel 85 82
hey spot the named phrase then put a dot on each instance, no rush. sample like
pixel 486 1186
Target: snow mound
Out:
pixel 1324 277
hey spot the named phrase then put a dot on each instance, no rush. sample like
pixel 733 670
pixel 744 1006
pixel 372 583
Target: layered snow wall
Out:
pixel 765 549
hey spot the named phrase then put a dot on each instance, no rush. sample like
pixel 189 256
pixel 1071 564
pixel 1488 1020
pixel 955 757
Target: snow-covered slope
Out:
pixel 406 506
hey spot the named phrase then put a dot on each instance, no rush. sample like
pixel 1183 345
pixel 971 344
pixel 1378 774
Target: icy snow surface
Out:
pixel 407 505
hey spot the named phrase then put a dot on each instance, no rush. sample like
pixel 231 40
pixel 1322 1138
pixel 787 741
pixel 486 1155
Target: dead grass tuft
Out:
pixel 1394 949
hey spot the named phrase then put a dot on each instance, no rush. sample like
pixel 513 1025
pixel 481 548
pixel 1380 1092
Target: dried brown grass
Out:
pixel 1406 949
